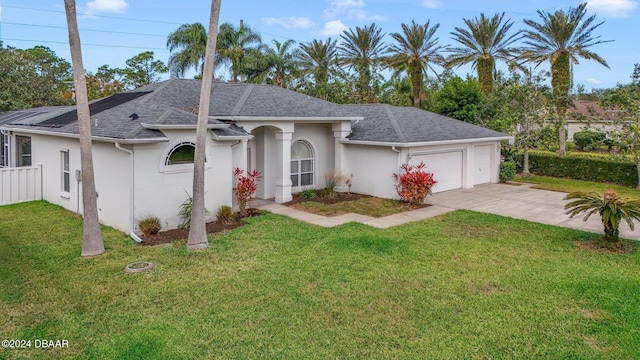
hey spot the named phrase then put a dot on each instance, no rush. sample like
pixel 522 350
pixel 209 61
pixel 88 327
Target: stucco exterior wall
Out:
pixel 372 168
pixel 160 189
pixel 320 136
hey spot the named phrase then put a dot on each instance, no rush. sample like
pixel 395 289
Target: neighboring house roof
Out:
pixel 588 110
pixel 142 114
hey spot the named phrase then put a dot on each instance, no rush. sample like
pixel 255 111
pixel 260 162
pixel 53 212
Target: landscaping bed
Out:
pixel 165 237
pixel 344 203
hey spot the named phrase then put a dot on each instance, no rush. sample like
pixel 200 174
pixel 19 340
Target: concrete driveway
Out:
pixel 522 202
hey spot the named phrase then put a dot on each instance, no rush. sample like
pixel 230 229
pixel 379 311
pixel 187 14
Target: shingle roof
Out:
pixel 175 102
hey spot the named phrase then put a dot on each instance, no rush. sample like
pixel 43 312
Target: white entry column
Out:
pixel 283 177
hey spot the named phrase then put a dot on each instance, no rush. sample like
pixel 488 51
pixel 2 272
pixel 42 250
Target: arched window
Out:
pixel 301 163
pixel 182 153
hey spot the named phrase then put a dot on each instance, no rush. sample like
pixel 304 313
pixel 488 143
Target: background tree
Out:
pixel 92 238
pixel 561 38
pixel 106 81
pixel 189 41
pixel 143 70
pixel 624 100
pixel 317 62
pixel 276 65
pixel 197 231
pixel 361 50
pixel 33 77
pixel 235 45
pixel 414 52
pixel 484 40
pixel 459 99
pixel 524 111
pixel 397 91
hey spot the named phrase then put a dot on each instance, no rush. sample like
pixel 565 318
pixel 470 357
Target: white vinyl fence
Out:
pixel 20 184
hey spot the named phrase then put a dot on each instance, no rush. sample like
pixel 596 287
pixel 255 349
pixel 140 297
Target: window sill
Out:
pixel 65 195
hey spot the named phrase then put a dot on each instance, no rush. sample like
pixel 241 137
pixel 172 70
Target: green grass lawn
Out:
pixel 462 285
pixel 570 185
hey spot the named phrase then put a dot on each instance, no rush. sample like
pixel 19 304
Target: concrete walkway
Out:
pixel 520 202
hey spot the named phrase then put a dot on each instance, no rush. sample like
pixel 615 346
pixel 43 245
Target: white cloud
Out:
pixel 432 4
pixel 108 6
pixel 333 28
pixel 593 81
pixel 612 8
pixel 363 15
pixel 339 7
pixel 291 22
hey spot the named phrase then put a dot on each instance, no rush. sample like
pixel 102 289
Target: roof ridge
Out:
pixel 242 100
pixel 157 90
pixel 394 123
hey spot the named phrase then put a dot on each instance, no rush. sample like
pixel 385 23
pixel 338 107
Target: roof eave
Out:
pixel 426 143
pixel 289 118
pixel 76 136
pixel 182 126
pixel 231 138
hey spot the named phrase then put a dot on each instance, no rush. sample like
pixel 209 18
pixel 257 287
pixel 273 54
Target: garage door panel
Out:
pixel 446 168
pixel 482 164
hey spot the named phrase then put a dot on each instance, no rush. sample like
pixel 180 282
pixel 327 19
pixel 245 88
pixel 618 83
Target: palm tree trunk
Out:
pixel 638 170
pixel 91 237
pixel 561 83
pixel 197 232
pixel 416 85
pixel 611 234
pixel 485 75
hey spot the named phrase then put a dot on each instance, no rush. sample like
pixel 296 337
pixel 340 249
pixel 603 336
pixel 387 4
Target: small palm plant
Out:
pixel 612 210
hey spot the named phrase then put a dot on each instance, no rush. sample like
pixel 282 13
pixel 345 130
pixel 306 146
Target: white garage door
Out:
pixel 482 164
pixel 446 169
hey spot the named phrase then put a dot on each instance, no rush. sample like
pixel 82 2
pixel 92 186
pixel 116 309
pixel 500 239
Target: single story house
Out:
pixel 143 143
pixel 587 114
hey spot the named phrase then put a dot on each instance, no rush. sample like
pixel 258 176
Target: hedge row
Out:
pixel 591 168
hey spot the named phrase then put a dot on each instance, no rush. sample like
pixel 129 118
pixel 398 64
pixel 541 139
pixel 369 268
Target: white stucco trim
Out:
pixel 76 136
pixel 296 189
pixel 427 143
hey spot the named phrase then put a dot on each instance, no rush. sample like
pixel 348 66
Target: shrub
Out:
pixel 149 225
pixel 507 171
pixel 185 212
pixel 414 183
pixel 308 194
pixel 612 210
pixel 225 214
pixel 585 166
pixel 588 140
pixel 246 186
pixel 332 180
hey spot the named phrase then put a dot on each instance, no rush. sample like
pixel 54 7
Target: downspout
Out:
pixel 399 162
pixel 132 197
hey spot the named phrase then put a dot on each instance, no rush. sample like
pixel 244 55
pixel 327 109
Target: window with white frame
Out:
pixel 23 151
pixel 65 174
pixel 182 153
pixel 4 150
pixel 301 163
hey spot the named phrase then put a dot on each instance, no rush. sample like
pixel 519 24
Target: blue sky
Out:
pixel 113 31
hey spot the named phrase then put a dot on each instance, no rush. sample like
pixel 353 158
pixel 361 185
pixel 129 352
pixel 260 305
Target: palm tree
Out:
pixel 612 210
pixel 91 237
pixel 484 41
pixel 561 38
pixel 197 231
pixel 276 65
pixel 190 40
pixel 414 52
pixel 318 59
pixel 361 50
pixel 235 46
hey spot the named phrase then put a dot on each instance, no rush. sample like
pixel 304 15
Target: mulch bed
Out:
pixel 166 237
pixel 320 198
pixel 597 246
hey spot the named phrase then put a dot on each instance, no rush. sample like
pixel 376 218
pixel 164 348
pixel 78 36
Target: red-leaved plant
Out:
pixel 246 186
pixel 414 183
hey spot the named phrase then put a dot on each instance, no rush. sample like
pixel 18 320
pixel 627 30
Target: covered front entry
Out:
pixel 269 152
